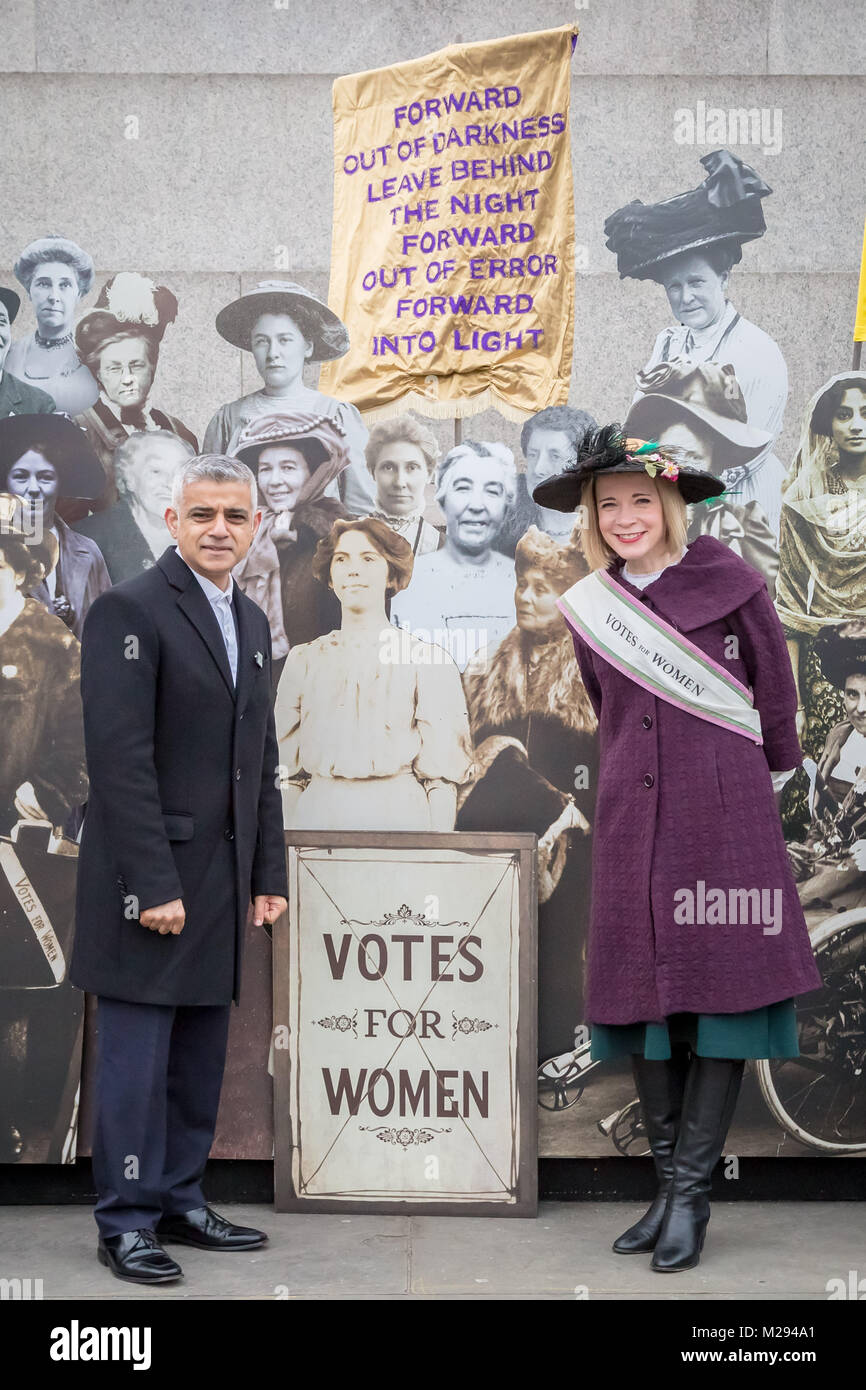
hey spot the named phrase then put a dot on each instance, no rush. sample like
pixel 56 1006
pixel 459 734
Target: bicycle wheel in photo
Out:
pixel 819 1098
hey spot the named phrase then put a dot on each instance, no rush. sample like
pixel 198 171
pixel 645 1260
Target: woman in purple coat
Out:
pixel 697 939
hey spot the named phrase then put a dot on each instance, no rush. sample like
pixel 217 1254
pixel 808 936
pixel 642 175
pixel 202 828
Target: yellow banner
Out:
pixel 860 320
pixel 453 243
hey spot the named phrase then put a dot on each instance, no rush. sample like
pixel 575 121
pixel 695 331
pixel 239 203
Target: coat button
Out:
pixel 237 774
pixel 648 779
pixel 229 834
pixel 647 721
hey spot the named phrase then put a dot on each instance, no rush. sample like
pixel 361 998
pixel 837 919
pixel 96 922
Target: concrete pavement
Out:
pixel 754 1250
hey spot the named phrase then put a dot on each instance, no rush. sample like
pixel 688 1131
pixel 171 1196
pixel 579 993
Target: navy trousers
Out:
pixel 159 1072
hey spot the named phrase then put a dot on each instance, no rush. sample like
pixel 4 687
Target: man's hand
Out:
pixel 267 908
pixel 167 918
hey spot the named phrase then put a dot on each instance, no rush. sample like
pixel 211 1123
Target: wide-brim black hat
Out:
pixel 12 302
pixel 841 651
pixel 79 470
pixel 608 450
pixel 327 332
pixel 725 208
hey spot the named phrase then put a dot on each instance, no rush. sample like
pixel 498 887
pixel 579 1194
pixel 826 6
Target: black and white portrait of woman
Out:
pixel 44 459
pixel 42 779
pixel 462 596
pixel 132 533
pixel 372 724
pixel 56 273
pixel 689 244
pixel 285 326
pixel 294 458
pixel 119 340
pixel 401 456
pixel 700 412
pixel 549 443
pixel 16 397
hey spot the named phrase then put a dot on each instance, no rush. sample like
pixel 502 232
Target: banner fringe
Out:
pixel 460 409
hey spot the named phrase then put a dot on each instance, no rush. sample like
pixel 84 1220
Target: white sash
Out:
pixel 650 652
pixel 28 901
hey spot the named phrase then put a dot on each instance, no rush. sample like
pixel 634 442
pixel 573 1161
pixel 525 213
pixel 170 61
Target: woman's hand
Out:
pixel 282 525
pixel 800 724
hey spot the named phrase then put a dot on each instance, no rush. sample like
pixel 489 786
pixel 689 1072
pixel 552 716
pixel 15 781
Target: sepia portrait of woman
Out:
pixel 295 458
pixel 371 723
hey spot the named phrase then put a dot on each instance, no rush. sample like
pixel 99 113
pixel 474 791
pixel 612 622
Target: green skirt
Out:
pixel 770 1031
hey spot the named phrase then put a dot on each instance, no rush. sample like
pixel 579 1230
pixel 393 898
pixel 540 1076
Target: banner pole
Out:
pixel 860 312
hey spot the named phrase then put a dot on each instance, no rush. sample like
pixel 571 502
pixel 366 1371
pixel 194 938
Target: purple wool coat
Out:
pixel 681 801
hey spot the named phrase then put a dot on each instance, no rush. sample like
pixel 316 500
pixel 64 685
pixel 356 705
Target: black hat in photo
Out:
pixel 841 651
pixel 12 302
pixel 726 207
pixel 68 448
pixel 609 450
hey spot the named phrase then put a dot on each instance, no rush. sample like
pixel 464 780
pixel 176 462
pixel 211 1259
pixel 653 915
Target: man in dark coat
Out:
pixel 183 827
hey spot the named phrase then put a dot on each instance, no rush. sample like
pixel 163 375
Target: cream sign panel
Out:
pixel 402 1027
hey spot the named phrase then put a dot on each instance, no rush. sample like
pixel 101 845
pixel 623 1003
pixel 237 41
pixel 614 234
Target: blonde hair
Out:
pixel 596 550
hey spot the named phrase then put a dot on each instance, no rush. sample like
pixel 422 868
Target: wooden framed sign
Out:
pixel 405 1024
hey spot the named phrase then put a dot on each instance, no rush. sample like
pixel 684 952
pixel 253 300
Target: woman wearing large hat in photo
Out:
pixel 16 397
pixel 120 340
pixel 701 413
pixel 822 576
pixel 697 940
pixel 294 458
pixel 285 326
pixel 56 273
pixel 43 459
pixel 689 244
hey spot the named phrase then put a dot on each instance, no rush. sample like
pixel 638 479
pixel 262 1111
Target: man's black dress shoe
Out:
pixel 204 1228
pixel 138 1257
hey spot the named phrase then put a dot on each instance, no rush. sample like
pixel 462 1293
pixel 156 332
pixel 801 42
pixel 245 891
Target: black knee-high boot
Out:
pixel 660 1086
pixel 712 1088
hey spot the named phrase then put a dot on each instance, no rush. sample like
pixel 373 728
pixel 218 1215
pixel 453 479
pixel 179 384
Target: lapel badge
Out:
pixel 259 659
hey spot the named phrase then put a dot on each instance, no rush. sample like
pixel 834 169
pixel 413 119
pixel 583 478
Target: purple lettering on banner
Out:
pixel 488 232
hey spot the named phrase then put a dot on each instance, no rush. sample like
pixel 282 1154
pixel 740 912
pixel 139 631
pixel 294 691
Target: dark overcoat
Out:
pixel 681 800
pixel 184 795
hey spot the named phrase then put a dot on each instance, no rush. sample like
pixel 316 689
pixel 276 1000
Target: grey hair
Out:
pixel 482 449
pixel 126 453
pixel 216 468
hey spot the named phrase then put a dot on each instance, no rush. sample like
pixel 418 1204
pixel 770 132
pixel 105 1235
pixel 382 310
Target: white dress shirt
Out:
pixel 221 602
